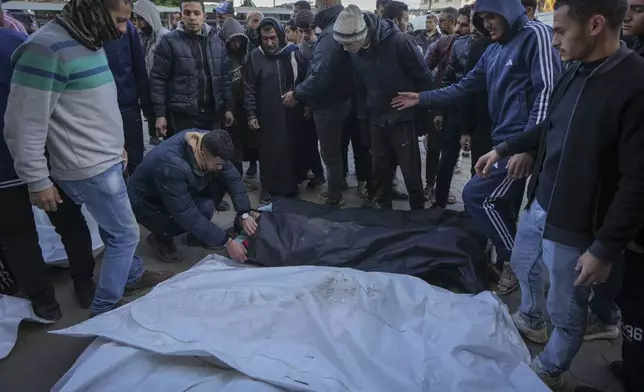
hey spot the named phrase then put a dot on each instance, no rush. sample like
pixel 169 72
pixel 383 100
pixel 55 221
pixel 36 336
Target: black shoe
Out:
pixel 362 190
pixel 316 182
pixel 252 170
pixel 331 202
pixel 398 195
pixel 155 141
pixel 165 249
pixel 617 369
pixel 48 309
pixel 376 205
pixel 223 206
pixel 85 290
pixel 192 240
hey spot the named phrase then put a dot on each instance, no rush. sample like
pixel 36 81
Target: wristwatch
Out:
pixel 245 216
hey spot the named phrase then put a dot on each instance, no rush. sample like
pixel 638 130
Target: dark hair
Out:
pixel 452 13
pixel 203 7
pixel 581 10
pixel 466 10
pixel 382 3
pixel 304 19
pixel 394 10
pixel 302 4
pixel 110 4
pixel 291 24
pixel 219 144
pixel 529 3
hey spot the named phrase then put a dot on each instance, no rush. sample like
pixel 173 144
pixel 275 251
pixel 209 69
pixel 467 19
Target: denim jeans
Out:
pixel 105 196
pixel 567 304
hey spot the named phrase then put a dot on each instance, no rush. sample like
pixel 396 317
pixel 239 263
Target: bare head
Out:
pixel 634 20
pixel 588 30
pixel 397 12
pixel 193 15
pixel 447 20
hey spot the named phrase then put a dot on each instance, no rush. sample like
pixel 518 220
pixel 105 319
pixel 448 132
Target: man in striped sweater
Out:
pixel 63 98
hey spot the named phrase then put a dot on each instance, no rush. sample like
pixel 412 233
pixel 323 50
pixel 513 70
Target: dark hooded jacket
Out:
pixel 168 177
pixel 597 201
pixel 422 40
pixel 392 63
pixel 230 29
pixel 181 80
pixel 518 73
pixel 268 77
pixel 637 45
pixel 328 81
pixel 127 62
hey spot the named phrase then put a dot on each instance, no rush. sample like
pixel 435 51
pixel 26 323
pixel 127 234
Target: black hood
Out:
pixel 480 25
pixel 278 29
pixel 379 29
pixel 230 29
pixel 327 16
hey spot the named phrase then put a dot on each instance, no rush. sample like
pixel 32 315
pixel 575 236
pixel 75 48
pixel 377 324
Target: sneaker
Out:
pixel 47 309
pixel 223 206
pixel 193 241
pixel 316 182
pixel 552 381
pixel 252 170
pixel 596 330
pixel 362 190
pixel 430 193
pixel 165 249
pixel 148 279
pixel 325 198
pixel 155 141
pixel 535 335
pixel 117 305
pixel 508 282
pixel 85 290
pixel 398 195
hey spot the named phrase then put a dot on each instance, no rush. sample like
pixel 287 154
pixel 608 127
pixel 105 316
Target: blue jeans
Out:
pixel 105 196
pixel 567 304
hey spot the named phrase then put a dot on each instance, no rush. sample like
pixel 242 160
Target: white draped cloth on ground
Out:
pixel 12 312
pixel 52 248
pixel 222 327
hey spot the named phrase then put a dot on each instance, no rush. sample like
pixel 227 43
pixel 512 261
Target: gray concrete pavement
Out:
pixel 39 359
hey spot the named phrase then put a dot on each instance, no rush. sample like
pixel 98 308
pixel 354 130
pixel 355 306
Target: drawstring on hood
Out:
pixel 89 22
pixel 512 11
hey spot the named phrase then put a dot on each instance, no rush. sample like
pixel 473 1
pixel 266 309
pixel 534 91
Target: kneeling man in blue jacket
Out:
pixel 177 186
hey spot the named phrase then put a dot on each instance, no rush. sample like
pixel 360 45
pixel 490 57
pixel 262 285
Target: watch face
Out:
pixel 244 216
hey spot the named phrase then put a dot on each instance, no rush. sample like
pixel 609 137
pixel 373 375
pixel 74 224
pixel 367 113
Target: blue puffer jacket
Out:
pixel 518 72
pixel 9 42
pixel 127 63
pixel 167 175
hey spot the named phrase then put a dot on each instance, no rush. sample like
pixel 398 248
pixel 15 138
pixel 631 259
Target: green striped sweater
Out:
pixel 63 96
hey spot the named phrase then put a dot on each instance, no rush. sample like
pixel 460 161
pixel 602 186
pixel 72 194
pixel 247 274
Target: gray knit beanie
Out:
pixel 350 26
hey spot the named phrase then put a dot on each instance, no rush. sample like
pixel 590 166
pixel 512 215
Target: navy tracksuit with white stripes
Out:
pixel 518 72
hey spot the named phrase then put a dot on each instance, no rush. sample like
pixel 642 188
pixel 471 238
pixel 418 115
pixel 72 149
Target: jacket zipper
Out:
pixel 204 64
pixel 572 115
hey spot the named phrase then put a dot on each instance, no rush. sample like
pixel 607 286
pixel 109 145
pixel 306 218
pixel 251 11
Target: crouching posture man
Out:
pixel 177 186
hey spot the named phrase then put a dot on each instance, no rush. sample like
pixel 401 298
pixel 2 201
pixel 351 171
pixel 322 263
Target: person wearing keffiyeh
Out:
pixel 63 85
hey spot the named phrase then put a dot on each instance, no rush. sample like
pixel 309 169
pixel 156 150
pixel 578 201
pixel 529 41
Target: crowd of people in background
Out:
pixel 556 111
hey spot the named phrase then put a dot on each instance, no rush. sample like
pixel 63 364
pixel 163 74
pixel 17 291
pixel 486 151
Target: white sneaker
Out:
pixel 596 330
pixel 552 381
pixel 535 335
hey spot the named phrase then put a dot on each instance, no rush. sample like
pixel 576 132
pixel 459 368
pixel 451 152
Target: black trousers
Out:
pixel 329 123
pixel 19 241
pixel 450 150
pixel 134 145
pixel 178 122
pixel 432 156
pixel 631 302
pixel 396 142
pixel 238 132
pixel 351 133
pixel 481 145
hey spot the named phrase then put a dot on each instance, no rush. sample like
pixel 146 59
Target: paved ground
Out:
pixel 40 359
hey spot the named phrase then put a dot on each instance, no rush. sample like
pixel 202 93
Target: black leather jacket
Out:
pixel 177 78
pixel 457 65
